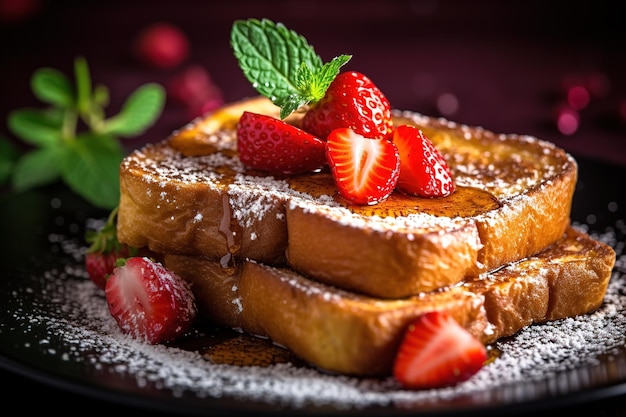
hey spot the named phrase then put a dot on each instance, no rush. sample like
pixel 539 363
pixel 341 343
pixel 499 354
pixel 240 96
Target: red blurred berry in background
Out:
pixel 195 89
pixel 161 45
pixel 567 119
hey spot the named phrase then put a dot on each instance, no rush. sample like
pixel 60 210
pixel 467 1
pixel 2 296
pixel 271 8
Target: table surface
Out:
pixel 506 66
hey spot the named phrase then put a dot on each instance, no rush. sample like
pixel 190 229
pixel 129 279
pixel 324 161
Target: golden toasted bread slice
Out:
pixel 348 333
pixel 191 195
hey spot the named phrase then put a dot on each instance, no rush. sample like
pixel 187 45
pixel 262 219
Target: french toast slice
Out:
pixel 190 195
pixel 348 333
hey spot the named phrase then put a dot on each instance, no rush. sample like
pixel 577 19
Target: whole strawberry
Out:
pixel 100 265
pixel 104 251
pixel 149 302
pixel 353 101
pixel 274 146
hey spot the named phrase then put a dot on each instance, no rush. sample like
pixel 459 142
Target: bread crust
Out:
pixel 167 206
pixel 376 262
pixel 348 333
pixel 190 195
pixel 288 259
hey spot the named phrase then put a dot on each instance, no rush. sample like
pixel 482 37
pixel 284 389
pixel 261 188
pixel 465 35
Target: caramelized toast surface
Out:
pixel 190 195
pixel 345 332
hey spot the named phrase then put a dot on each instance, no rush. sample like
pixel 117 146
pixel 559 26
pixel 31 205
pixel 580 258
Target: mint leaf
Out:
pixel 289 105
pixel 91 169
pixel 37 127
pixel 51 86
pixel 280 64
pixel 325 75
pixel 36 168
pixel 139 111
pixel 101 96
pixel 87 162
pixel 83 86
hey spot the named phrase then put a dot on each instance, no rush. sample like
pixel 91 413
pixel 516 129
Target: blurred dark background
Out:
pixel 505 66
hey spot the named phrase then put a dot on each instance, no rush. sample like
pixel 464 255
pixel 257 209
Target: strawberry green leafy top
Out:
pixel 281 65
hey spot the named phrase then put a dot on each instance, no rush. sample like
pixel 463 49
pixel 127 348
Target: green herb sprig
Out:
pixel 281 65
pixel 87 161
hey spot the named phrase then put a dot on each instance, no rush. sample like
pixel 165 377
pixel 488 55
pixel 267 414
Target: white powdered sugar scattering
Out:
pixel 71 309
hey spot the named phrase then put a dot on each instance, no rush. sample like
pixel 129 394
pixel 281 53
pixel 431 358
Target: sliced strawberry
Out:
pixel 365 170
pixel 271 145
pixel 150 302
pixel 423 170
pixel 437 352
pixel 354 101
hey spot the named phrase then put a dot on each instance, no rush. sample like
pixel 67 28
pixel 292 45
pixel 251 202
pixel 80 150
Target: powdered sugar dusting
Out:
pixel 482 160
pixel 68 308
pixel 501 167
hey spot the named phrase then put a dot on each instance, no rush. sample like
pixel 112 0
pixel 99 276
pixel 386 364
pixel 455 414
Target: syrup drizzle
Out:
pixel 225 230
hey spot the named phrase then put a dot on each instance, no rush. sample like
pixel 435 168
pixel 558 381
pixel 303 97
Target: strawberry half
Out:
pixel 150 302
pixel 365 170
pixel 437 352
pixel 352 100
pixel 277 147
pixel 424 171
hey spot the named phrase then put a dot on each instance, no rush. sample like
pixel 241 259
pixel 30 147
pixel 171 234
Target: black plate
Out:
pixel 54 328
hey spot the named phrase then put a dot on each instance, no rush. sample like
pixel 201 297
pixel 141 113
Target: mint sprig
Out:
pixel 281 65
pixel 88 160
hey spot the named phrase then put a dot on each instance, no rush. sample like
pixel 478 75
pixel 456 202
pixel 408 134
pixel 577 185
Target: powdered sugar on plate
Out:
pixel 61 315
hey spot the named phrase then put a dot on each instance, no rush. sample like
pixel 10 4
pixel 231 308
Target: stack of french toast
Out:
pixel 285 257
